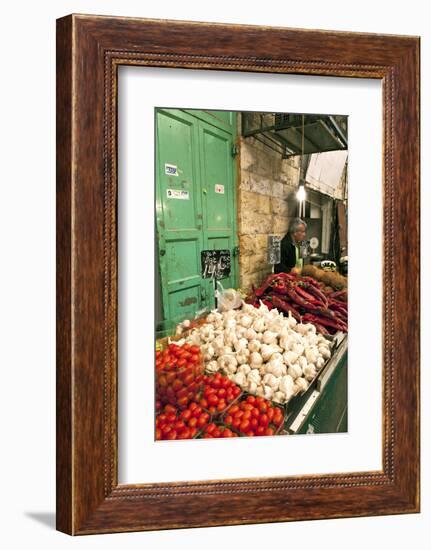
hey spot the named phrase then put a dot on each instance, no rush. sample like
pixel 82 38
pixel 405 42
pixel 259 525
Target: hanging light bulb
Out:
pixel 301 194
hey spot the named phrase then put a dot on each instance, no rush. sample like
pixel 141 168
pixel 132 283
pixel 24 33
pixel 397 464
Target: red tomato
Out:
pixel 185 415
pixel 172 435
pixel 158 434
pixel 211 427
pixel 203 420
pixel 269 431
pixel 228 420
pixel 216 433
pixel 212 409
pixel 254 423
pixel 226 383
pixel 193 422
pixel 203 403
pixel 255 413
pixel 236 422
pixel 215 383
pixel 263 420
pixel 250 433
pixel 170 409
pixel 227 433
pixel 221 392
pixel 260 430
pixel 194 359
pixel 244 425
pixel 194 349
pixel 182 402
pixel 251 399
pixel 166 429
pixel 270 412
pixel 263 407
pixel 197 411
pixel 212 399
pixel 193 406
pixel 171 417
pixel 185 434
pixel 247 414
pixel 233 409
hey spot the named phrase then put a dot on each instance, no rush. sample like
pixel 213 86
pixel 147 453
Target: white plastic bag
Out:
pixel 227 299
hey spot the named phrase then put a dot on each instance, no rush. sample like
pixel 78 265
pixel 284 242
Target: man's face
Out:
pixel 299 234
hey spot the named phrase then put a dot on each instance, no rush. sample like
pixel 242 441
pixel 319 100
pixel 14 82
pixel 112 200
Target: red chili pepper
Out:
pixel 261 290
pixel 307 296
pixel 284 306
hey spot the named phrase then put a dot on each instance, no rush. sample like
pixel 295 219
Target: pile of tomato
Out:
pixel 217 393
pixel 186 424
pixel 216 431
pixel 254 416
pixel 179 374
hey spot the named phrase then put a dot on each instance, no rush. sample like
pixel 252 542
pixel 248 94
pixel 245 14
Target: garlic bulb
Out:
pixel 254 376
pixel 309 372
pixel 250 334
pixel 208 352
pixel 298 349
pixel 212 366
pixel 272 381
pixel 294 371
pixel 256 359
pixel 290 357
pixel 252 387
pixel 269 337
pixel 242 356
pixel 286 386
pixel 267 392
pixel 239 379
pixel 241 344
pixel 301 385
pixel 240 331
pixel 324 351
pixel 245 369
pixel 302 362
pixel 254 345
pixel 259 325
pixel 246 321
pixel 311 355
pixel 320 362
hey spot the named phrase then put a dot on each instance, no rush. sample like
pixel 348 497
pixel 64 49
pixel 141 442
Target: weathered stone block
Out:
pixel 264 204
pixel 248 157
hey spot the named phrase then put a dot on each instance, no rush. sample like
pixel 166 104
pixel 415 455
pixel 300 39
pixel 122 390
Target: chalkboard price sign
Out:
pixel 215 264
pixel 274 249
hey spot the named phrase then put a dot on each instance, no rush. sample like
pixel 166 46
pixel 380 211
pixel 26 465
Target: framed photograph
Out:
pixel 221 357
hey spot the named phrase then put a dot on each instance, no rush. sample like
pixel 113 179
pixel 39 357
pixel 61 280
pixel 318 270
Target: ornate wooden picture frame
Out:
pixel 89 51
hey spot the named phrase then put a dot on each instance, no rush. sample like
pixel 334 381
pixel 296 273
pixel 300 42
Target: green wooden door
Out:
pixel 195 204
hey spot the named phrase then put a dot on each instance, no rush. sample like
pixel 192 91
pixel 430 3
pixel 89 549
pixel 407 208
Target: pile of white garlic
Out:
pixel 262 351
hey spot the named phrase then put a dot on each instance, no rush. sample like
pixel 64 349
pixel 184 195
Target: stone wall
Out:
pixel 266 204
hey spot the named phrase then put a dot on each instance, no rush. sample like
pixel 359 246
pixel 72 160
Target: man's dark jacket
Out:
pixel 287 255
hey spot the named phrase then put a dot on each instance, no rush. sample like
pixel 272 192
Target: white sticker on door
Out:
pixel 219 188
pixel 171 169
pixel 178 194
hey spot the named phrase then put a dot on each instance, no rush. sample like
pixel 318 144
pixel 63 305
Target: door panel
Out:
pixel 219 196
pixel 196 209
pixel 179 224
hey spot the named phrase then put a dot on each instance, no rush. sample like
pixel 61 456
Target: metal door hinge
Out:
pixel 235 149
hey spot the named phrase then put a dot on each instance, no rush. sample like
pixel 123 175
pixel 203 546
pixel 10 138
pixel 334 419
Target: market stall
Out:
pixel 255 367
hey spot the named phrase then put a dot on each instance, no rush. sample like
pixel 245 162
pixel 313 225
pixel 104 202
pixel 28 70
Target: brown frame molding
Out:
pixel 89 51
